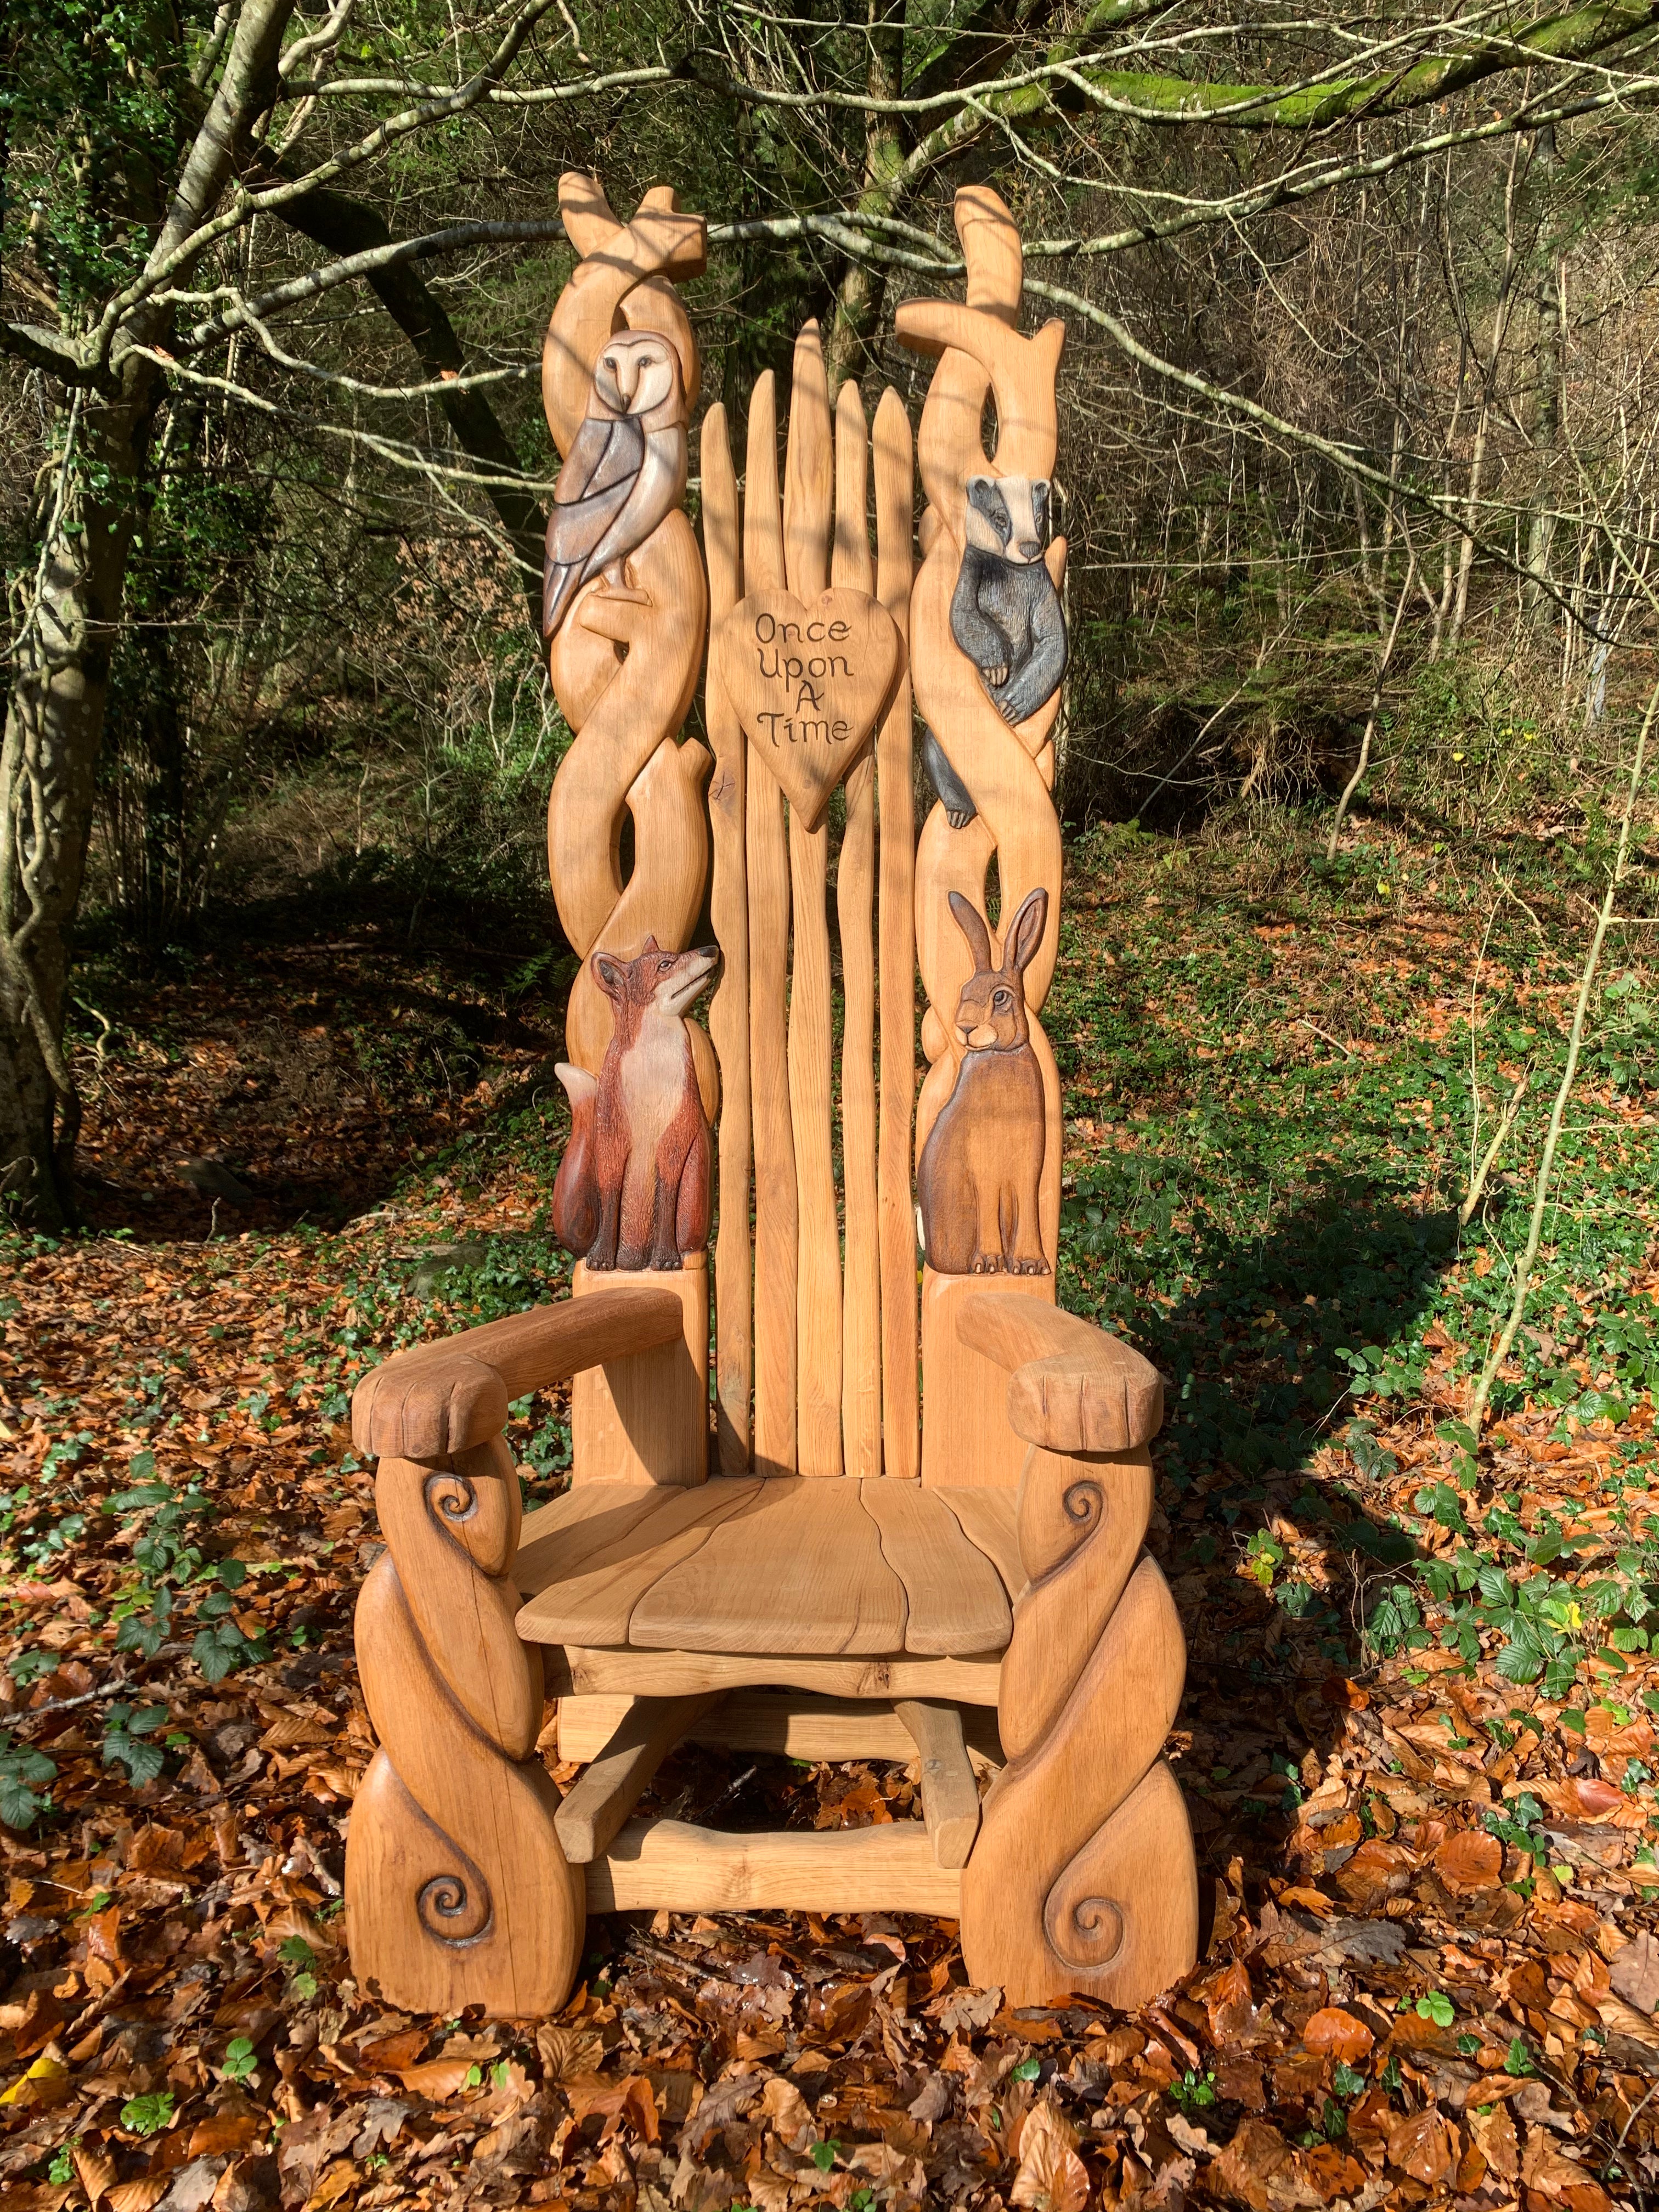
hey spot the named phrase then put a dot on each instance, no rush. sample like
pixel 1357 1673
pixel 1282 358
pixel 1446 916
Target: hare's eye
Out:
pixel 1003 999
pixel 663 966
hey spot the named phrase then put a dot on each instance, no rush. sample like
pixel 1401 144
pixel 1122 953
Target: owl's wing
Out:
pixel 593 485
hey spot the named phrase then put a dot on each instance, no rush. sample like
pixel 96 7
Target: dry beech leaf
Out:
pixel 224 2132
pixel 1227 1998
pixel 1052 2178
pixel 289 1730
pixel 568 2050
pixel 438 2079
pixel 1469 1861
pixel 785 2111
pixel 1424 2147
pixel 1552 2173
pixel 1635 1971
pixel 390 2054
pixel 138 2195
pixel 1309 1900
pixel 333 2185
pixel 1255 2155
pixel 96 2171
pixel 1587 1797
pixel 1493 2131
pixel 1377 1870
pixel 1338 2034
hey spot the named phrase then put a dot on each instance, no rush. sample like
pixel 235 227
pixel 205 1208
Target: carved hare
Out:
pixel 976 1185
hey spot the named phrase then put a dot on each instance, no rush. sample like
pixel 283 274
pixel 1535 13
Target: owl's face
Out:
pixel 637 373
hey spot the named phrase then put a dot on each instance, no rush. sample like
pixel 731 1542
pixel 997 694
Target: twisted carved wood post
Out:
pixel 995 779
pixel 457 1890
pixel 627 608
pixel 1082 1877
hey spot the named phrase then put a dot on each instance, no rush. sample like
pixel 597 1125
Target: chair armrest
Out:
pixel 438 1399
pixel 1072 1388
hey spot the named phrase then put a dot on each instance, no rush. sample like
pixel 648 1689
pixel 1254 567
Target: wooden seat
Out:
pixel 743 1565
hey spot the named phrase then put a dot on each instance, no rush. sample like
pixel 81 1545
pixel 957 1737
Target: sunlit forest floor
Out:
pixel 1417 1737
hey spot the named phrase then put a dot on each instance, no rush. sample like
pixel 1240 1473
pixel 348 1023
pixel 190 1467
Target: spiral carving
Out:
pixel 453 1912
pixel 627 649
pixel 1084 1502
pixel 1087 1933
pixel 1082 1877
pixel 457 1891
pixel 451 1497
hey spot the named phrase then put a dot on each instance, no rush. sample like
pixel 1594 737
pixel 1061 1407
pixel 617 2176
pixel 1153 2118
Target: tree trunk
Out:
pixel 54 724
pixel 863 290
pixel 65 615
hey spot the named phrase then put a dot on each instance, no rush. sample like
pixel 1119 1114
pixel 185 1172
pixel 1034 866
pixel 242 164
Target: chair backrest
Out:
pixel 815 642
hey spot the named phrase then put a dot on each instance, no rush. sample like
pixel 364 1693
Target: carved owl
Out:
pixel 625 471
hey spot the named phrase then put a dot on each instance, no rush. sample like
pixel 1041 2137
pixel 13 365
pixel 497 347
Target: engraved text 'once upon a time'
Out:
pixel 784 654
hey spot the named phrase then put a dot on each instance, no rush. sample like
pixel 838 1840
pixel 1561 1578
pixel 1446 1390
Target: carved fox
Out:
pixel 632 1189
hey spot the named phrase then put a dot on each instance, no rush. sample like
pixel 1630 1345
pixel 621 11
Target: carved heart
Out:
pixel 808 683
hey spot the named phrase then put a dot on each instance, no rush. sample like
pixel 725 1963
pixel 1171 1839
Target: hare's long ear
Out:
pixel 971 923
pixel 1026 934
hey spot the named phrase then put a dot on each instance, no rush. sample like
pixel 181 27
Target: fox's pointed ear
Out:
pixel 971 923
pixel 1026 934
pixel 609 975
pixel 649 946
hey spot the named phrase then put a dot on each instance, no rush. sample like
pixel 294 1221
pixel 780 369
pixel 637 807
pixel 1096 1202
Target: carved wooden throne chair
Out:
pixel 913 1525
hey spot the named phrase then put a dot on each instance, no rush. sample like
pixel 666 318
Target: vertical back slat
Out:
pixel 728 1015
pixel 769 1000
pixel 899 1346
pixel 807 521
pixel 860 1387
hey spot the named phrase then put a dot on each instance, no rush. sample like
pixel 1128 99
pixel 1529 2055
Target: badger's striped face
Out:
pixel 1009 515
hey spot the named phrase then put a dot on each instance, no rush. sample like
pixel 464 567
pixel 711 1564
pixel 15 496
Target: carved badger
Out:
pixel 1005 613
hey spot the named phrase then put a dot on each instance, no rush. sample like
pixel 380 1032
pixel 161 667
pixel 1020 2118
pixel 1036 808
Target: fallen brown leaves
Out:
pixel 1386 2012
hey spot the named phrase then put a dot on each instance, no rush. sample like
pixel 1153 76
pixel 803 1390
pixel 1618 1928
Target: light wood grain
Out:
pixel 966 1438
pixel 441 1398
pixel 980 355
pixel 591 1671
pixel 809 679
pixel 955 1594
pixel 596 1603
pixel 986 1517
pixel 457 1891
pixel 1073 1387
pixel 456 1534
pixel 792 1724
pixel 1031 1923
pixel 950 1794
pixel 800 1568
pixel 672 1867
pixel 900 1344
pixel 602 1800
pixel 628 271
pixel 562 1538
pixel 645 1419
pixel 728 1012
pixel 777 1215
pixel 855 883
pixel 808 515
pixel 1081 1523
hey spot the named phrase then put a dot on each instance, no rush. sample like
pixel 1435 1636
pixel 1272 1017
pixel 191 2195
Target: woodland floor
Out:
pixel 1430 1967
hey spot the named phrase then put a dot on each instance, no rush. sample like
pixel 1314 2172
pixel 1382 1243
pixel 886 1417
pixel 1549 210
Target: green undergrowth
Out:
pixel 1271 1080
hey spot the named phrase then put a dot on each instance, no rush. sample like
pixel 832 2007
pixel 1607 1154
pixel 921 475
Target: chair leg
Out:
pixel 1083 1878
pixel 457 1891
